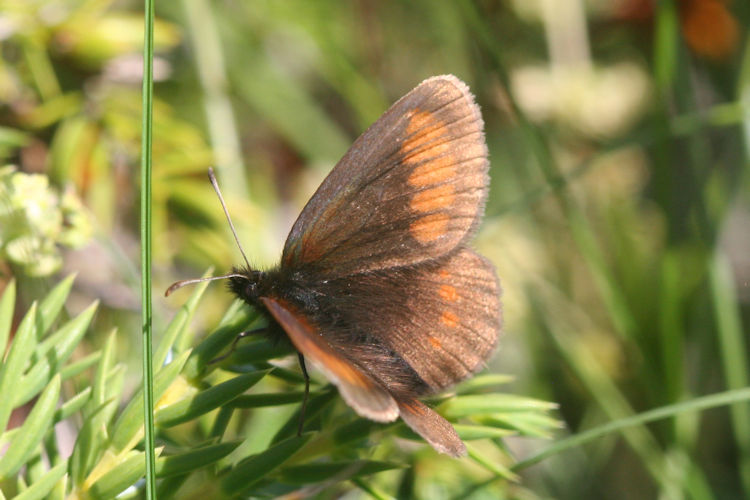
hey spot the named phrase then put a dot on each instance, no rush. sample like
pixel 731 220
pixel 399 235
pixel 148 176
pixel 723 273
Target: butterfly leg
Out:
pixel 240 336
pixel 307 392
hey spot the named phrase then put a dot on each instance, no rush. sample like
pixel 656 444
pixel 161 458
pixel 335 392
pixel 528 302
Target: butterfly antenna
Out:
pixel 215 184
pixel 191 281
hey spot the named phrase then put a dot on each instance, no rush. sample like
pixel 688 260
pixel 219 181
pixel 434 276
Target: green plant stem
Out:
pixel 733 348
pixel 146 158
pixel 697 404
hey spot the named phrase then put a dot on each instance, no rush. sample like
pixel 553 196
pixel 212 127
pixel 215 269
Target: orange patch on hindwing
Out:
pixel 448 292
pixel 435 342
pixel 449 319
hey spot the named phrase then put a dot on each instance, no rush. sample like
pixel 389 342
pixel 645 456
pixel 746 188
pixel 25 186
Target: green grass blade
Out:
pixel 732 341
pixel 741 396
pixel 146 237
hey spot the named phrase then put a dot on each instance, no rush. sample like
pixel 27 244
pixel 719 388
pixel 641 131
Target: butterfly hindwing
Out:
pixel 410 189
pixel 441 318
pixel 459 318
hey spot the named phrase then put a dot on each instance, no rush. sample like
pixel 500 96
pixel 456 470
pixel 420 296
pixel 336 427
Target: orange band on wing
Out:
pixel 367 397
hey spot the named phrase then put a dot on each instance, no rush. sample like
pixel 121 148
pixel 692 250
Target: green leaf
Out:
pixel 464 406
pixel 526 423
pixel 102 373
pixel 52 354
pixel 120 477
pixel 116 382
pixel 72 405
pixel 207 400
pixel 90 443
pixel 491 464
pixel 194 459
pixel 11 371
pixel 251 470
pixel 79 366
pixel 339 471
pixel 269 399
pixel 314 407
pixel 32 431
pixel 237 318
pixel 358 429
pixel 7 303
pixel 68 332
pixel 53 303
pixel 130 421
pixel 260 350
pixel 42 486
pixel 472 432
pixel 487 381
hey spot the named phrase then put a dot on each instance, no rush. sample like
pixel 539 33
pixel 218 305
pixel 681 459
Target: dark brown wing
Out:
pixel 441 318
pixel 365 395
pixel 410 189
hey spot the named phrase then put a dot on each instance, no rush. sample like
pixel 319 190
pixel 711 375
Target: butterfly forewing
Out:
pixel 410 189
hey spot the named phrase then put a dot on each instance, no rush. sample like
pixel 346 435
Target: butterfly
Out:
pixel 377 286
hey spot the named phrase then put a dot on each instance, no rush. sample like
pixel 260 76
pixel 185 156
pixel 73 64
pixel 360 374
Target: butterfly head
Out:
pixel 248 284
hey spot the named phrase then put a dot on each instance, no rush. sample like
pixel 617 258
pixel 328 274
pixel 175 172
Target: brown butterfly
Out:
pixel 376 285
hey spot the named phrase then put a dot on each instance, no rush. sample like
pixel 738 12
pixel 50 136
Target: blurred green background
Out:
pixel 619 210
